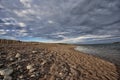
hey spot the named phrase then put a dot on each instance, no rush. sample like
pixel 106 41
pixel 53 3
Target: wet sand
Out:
pixel 45 61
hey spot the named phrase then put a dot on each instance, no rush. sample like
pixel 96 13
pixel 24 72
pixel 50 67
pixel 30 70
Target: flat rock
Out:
pixel 6 72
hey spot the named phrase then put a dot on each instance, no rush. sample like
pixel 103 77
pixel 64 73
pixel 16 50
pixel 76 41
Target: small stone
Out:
pixel 32 75
pixel 7 78
pixel 19 67
pixel 17 55
pixel 19 59
pixel 21 76
pixel 34 51
pixel 31 70
pixel 11 59
pixel 37 74
pixel 41 53
pixel 43 62
pixel 29 67
pixel 60 73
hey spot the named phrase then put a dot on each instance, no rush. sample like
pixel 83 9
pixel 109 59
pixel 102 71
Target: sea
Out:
pixel 109 52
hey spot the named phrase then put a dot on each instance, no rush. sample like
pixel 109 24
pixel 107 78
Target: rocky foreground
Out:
pixel 45 61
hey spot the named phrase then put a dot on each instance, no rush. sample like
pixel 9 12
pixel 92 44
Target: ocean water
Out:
pixel 110 52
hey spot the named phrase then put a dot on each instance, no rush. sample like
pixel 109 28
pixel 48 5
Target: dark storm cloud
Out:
pixel 63 20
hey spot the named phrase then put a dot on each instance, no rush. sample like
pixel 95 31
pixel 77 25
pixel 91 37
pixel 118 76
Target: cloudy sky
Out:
pixel 69 21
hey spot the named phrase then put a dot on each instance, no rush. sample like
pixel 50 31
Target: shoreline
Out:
pixel 106 58
pixel 117 64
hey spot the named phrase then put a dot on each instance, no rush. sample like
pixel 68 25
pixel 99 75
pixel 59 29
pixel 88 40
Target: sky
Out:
pixel 60 21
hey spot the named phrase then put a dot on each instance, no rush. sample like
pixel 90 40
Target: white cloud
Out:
pixel 24 13
pixel 61 33
pixel 2 31
pixel 12 21
pixel 26 3
pixel 82 38
pixel 7 30
pixel 9 21
pixel 28 11
pixel 38 17
pixel 18 13
pixel 8 37
pixel 23 34
pixel 22 31
pixel 1 6
pixel 58 33
pixel 13 30
pixel 21 24
pixel 50 22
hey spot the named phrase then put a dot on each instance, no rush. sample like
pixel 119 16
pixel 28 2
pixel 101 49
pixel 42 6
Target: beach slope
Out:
pixel 49 61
